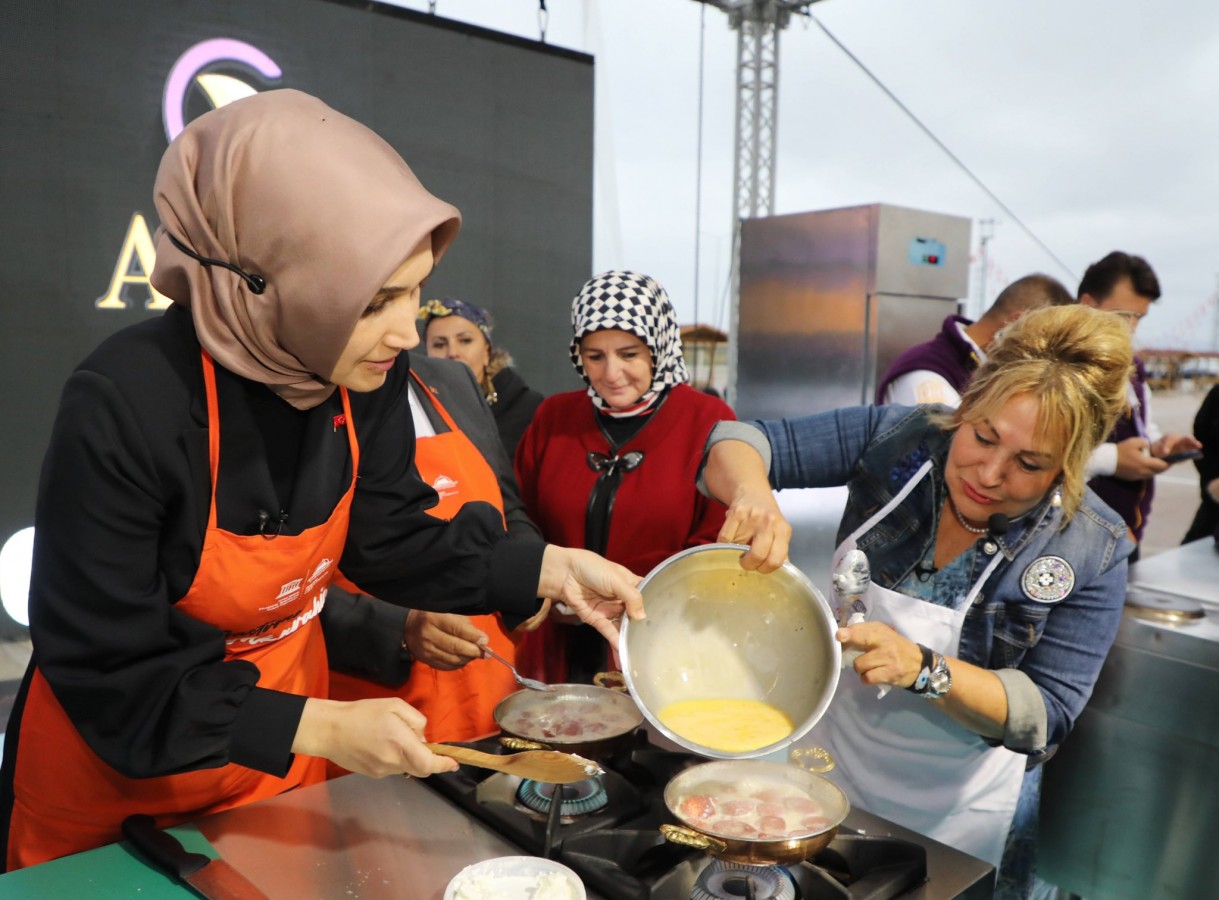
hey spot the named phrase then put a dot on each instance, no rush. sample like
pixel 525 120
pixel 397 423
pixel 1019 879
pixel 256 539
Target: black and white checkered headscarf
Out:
pixel 637 304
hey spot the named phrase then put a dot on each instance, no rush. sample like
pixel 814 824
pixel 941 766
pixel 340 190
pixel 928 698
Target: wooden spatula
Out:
pixel 549 766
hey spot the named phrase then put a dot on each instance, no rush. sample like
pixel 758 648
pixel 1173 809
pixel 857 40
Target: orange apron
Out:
pixel 458 704
pixel 265 595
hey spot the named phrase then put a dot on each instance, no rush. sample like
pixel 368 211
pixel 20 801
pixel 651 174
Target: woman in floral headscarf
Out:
pixel 455 329
pixel 612 468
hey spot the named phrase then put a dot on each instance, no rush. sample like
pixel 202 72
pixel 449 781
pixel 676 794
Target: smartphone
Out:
pixel 1182 456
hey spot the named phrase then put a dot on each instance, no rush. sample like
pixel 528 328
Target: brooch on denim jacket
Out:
pixel 904 469
pixel 1048 579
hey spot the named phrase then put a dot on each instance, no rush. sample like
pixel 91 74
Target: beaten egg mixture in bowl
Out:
pixel 728 663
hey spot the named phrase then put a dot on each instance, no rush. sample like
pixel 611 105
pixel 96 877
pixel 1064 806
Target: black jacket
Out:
pixel 122 506
pixel 514 406
pixel 1206 429
pixel 363 634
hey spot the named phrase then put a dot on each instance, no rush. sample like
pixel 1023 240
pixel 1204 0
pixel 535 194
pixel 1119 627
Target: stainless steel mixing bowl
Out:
pixel 716 631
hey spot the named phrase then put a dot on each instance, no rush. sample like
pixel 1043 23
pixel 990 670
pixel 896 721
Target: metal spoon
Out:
pixel 532 683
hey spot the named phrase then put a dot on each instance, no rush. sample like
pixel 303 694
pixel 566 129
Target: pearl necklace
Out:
pixel 972 529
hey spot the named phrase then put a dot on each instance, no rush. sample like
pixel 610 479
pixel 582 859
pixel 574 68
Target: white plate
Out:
pixel 515 878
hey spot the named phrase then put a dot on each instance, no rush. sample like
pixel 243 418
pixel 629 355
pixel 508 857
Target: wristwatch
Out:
pixel 933 680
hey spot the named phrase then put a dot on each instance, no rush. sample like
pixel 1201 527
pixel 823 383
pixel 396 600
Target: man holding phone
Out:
pixel 1123 469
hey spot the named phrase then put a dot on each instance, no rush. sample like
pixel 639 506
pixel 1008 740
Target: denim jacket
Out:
pixel 1047 653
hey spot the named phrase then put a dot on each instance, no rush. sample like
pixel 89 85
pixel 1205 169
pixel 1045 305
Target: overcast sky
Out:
pixel 1095 121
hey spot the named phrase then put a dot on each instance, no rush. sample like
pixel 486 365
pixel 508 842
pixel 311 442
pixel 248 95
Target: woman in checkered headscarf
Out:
pixel 628 309
pixel 612 467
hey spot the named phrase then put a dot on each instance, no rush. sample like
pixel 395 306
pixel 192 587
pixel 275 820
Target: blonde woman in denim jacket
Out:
pixel 997 577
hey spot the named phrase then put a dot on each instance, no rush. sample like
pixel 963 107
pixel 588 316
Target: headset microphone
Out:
pixel 256 283
pixel 269 525
pixel 998 524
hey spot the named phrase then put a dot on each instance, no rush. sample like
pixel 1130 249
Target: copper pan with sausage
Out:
pixel 755 812
pixel 585 719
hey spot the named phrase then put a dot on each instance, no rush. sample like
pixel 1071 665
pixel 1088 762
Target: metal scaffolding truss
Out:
pixel 757 107
pixel 757 23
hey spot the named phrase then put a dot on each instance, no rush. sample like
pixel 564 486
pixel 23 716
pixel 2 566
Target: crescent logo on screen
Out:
pixel 197 67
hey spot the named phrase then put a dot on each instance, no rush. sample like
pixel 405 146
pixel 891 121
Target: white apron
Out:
pixel 902 758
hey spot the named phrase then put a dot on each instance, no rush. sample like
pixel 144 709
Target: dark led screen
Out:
pixel 499 126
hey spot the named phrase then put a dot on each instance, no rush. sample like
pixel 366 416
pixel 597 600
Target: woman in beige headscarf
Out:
pixel 209 472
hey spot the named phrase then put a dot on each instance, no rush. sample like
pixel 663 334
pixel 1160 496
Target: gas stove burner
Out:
pixel 576 799
pixel 620 854
pixel 731 881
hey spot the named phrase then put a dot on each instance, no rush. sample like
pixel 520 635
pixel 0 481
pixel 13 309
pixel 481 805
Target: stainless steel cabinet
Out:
pixel 828 299
pixel 1130 804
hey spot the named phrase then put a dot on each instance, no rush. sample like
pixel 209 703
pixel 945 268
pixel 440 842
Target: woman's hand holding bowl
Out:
pixel 595 589
pixel 754 518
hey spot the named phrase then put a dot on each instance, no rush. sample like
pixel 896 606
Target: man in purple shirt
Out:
pixel 937 370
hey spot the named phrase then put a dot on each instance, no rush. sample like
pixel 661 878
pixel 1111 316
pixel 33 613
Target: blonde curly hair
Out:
pixel 1077 362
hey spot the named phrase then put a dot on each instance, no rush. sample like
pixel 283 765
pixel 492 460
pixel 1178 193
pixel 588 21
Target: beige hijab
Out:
pixel 282 186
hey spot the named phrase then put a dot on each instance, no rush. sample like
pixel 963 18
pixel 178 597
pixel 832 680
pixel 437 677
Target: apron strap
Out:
pixel 973 592
pixel 898 498
pixel 431 396
pixel 885 510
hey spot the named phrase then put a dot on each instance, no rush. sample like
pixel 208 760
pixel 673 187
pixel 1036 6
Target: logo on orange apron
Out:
pixel 445 486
